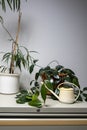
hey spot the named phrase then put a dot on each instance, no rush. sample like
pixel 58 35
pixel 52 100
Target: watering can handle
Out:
pixel 73 85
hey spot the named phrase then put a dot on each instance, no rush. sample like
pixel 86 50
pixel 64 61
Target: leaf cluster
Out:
pixel 21 59
pixel 13 4
pixel 83 94
pixel 29 97
pixel 56 75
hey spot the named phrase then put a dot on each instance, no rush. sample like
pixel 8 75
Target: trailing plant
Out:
pixel 29 97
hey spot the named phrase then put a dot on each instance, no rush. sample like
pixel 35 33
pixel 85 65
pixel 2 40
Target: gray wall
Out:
pixel 57 29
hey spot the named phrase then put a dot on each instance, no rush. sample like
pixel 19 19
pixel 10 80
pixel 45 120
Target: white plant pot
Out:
pixel 9 83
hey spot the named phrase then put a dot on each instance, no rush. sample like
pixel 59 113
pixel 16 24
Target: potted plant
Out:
pixel 19 56
pixel 56 75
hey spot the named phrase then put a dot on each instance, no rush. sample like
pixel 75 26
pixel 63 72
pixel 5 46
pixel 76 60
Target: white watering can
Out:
pixel 66 94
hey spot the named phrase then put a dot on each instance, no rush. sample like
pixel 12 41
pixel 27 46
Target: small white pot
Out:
pixel 9 83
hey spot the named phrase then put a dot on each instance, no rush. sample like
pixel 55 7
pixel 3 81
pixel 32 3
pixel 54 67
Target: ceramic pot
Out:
pixel 9 83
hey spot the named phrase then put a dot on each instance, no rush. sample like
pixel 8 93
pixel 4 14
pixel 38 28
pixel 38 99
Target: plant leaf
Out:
pixel 23 91
pixel 37 76
pixel 68 71
pixel 31 68
pixel 75 81
pixel 9 3
pixel 35 103
pixel 59 67
pixel 85 95
pixel 1 20
pixel 22 99
pixel 3 5
pixel 80 98
pixel 6 56
pixel 85 89
pixel 49 84
pixel 34 61
pixel 43 92
pixel 18 5
pixel 36 84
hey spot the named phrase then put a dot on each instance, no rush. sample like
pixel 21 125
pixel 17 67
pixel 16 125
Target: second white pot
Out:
pixel 9 83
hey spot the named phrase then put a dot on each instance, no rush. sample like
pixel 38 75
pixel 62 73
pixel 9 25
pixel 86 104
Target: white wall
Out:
pixel 57 29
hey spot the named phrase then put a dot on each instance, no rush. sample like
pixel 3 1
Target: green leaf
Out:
pixel 59 67
pixel 86 99
pixel 36 76
pixel 68 71
pixel 6 57
pixel 34 61
pixel 35 103
pixel 1 20
pixel 9 3
pixel 18 5
pixel 67 79
pixel 14 4
pixel 36 84
pixel 49 84
pixel 75 81
pixel 31 82
pixel 22 99
pixel 31 68
pixel 29 97
pixel 85 95
pixel 23 61
pixel 85 89
pixel 80 98
pixel 3 5
pixel 34 97
pixel 18 63
pixel 43 92
pixel 23 91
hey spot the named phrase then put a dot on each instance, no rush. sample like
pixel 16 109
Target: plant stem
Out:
pixel 15 44
pixel 17 34
pixel 7 32
pixel 53 61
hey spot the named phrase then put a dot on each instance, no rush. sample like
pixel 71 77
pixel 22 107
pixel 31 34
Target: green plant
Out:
pixel 32 96
pixel 55 75
pixel 51 77
pixel 29 97
pixel 19 55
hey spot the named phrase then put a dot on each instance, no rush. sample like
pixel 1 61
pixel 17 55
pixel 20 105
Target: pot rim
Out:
pixel 8 74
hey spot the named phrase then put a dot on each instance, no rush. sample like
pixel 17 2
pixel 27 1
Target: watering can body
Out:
pixel 66 95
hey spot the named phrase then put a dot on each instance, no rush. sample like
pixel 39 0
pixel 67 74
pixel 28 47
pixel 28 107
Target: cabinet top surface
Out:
pixel 8 104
